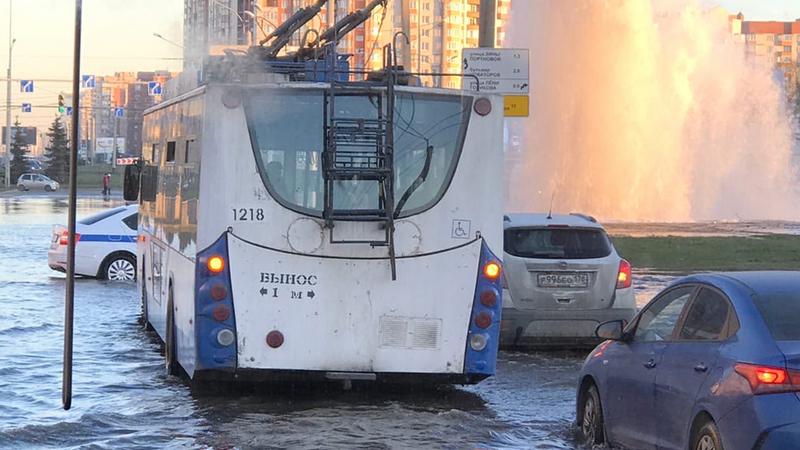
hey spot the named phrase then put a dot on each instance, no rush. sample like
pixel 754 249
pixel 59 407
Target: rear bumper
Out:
pixel 779 438
pixel 308 376
pixel 556 328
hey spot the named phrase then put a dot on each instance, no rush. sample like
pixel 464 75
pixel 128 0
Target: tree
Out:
pixel 57 152
pixel 19 152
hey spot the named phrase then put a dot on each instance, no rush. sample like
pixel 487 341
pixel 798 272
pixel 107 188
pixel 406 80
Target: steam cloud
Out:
pixel 649 110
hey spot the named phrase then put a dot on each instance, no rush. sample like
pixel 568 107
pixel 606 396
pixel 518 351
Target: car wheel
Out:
pixel 592 429
pixel 120 268
pixel 47 188
pixel 21 187
pixel 170 347
pixel 707 438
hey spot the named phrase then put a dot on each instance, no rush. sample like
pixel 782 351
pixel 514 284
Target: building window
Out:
pixel 171 151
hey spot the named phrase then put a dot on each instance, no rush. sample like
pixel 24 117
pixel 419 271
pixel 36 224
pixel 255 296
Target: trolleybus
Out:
pixel 317 228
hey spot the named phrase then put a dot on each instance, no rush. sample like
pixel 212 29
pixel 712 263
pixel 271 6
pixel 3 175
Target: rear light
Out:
pixel 489 298
pixel 491 271
pixel 483 320
pixel 218 292
pixel 221 313
pixel 624 275
pixel 65 235
pixel 225 337
pixel 215 264
pixel 274 338
pixel 478 342
pixel 767 379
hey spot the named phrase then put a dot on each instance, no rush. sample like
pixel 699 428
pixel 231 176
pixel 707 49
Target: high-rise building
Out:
pixel 437 29
pixel 776 42
pixel 126 90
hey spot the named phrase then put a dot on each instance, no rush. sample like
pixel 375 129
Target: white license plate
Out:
pixel 563 280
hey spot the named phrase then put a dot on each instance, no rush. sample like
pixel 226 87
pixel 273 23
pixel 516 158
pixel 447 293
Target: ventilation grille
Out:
pixel 410 332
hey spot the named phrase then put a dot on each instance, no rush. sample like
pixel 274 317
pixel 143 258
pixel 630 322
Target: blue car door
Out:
pixel 687 363
pixel 630 409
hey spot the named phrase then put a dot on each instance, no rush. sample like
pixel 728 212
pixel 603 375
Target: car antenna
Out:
pixel 550 212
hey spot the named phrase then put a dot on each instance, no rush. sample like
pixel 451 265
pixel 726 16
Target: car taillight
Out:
pixel 767 379
pixel 624 274
pixel 64 238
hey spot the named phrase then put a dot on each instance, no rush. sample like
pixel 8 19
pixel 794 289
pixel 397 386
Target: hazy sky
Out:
pixel 118 36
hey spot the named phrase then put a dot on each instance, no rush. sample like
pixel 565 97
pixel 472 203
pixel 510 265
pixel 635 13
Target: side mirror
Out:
pixel 610 330
pixel 130 188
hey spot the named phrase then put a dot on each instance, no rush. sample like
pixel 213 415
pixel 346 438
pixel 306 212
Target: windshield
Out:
pixel 286 129
pixel 781 312
pixel 557 243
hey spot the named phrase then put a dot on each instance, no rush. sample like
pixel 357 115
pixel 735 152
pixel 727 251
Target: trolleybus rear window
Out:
pixel 286 129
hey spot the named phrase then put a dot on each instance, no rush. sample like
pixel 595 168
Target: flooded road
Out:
pixel 122 399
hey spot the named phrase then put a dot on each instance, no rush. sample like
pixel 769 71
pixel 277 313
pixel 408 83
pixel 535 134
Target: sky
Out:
pixel 118 36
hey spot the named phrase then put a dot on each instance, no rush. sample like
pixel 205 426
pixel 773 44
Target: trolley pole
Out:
pixel 8 100
pixel 488 28
pixel 69 301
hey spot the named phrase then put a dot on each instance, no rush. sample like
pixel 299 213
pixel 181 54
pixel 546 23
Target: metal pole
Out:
pixel 255 23
pixel 69 301
pixel 114 154
pixel 8 100
pixel 487 30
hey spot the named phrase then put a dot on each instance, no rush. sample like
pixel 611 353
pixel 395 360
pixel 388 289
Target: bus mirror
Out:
pixel 130 189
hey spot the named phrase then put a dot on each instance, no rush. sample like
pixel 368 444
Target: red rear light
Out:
pixel 489 298
pixel 624 274
pixel 65 234
pixel 221 313
pixel 766 379
pixel 483 320
pixel 274 338
pixel 218 292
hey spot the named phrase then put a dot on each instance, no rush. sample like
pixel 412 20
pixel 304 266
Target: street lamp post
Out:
pixel 8 100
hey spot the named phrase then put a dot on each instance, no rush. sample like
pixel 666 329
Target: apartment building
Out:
pixel 437 30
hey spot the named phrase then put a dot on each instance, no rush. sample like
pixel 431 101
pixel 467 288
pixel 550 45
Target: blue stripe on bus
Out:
pixel 107 238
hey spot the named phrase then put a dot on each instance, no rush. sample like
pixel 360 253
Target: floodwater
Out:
pixel 122 399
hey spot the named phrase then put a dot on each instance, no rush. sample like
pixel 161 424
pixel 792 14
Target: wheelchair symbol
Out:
pixel 460 229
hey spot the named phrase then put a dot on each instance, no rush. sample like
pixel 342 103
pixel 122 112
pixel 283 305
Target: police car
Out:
pixel 105 245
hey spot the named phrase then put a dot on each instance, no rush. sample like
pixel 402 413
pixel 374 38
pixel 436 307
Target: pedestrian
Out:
pixel 107 186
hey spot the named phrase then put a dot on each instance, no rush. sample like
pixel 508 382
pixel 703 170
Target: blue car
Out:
pixel 711 363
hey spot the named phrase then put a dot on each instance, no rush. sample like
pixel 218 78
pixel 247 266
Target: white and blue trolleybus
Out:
pixel 303 226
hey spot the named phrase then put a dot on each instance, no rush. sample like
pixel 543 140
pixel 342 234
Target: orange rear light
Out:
pixel 215 264
pixel 491 271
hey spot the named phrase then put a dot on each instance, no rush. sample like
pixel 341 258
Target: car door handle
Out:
pixel 650 364
pixel 700 367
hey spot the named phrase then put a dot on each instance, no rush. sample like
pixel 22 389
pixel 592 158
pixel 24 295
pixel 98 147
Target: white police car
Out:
pixel 105 246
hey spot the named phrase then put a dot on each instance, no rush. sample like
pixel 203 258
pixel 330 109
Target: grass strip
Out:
pixel 685 254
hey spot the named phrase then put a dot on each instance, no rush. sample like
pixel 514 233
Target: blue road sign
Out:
pixel 26 107
pixel 119 112
pixel 87 81
pixel 69 110
pixel 154 88
pixel 26 85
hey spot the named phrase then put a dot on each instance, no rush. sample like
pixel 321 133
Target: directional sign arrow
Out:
pixel 263 291
pixel 310 294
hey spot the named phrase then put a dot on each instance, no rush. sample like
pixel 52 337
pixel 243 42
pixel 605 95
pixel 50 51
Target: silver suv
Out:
pixel 563 278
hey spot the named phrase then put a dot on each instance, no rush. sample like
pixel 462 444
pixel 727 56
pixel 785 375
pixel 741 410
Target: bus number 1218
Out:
pixel 245 214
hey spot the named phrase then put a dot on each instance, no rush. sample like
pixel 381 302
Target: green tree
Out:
pixel 19 152
pixel 57 152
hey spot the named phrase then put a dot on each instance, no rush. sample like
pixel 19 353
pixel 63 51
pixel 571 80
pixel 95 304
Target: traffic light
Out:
pixel 61 103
